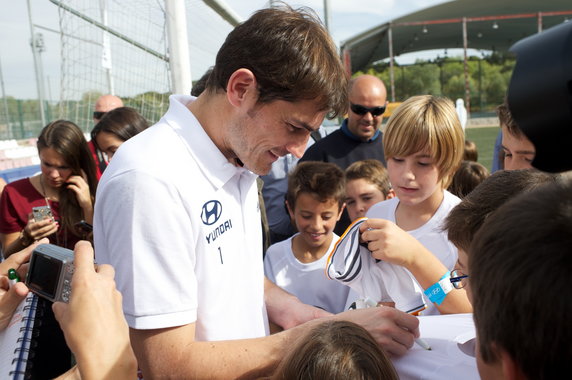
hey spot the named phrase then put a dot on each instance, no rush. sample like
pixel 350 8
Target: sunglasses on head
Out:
pixel 98 114
pixel 361 110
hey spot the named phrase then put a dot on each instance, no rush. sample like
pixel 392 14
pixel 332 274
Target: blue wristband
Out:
pixel 438 291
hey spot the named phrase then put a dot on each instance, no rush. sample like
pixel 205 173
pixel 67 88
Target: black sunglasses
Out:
pixel 361 110
pixel 98 114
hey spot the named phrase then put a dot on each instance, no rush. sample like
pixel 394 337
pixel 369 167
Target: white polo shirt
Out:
pixel 181 226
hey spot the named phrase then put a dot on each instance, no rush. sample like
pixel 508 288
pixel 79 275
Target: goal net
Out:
pixel 120 47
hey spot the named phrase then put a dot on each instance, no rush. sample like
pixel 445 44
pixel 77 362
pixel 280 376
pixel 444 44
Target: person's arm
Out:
pixel 173 352
pixel 93 322
pixel 285 309
pixel 17 241
pixel 388 242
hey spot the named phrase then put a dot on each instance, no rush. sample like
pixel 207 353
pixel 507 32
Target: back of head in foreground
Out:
pixel 427 124
pixel 336 350
pixel 520 281
pixel 467 217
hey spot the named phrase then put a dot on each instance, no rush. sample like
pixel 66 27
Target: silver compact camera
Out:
pixel 50 272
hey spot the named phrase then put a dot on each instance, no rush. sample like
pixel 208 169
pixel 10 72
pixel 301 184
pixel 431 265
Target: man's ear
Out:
pixel 241 87
pixel 341 211
pixel 510 368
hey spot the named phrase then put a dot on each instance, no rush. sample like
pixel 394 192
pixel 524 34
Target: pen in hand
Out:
pixel 420 341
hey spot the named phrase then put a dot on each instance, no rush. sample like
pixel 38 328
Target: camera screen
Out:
pixel 45 273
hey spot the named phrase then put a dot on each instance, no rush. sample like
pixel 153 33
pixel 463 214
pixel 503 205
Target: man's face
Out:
pixel 518 151
pixel 367 95
pixel 268 131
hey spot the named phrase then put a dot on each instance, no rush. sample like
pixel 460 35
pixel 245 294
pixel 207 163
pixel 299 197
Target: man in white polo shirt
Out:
pixel 177 210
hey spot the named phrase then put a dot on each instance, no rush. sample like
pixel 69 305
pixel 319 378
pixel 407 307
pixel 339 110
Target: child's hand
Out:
pixel 388 242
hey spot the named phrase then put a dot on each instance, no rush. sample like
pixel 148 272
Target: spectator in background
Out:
pixel 103 104
pixel 461 112
pixel 67 185
pixel 518 150
pixel 471 152
pixel 116 127
pixel 468 176
pixel 359 136
pixel 367 183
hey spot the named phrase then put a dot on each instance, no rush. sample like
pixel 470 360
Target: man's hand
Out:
pixel 394 330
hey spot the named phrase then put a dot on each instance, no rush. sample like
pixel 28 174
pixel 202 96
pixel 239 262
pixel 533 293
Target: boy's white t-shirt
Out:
pixel 307 281
pixel 353 264
pixel 430 235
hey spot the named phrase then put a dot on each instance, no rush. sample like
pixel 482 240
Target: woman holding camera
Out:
pixel 64 192
pixel 53 203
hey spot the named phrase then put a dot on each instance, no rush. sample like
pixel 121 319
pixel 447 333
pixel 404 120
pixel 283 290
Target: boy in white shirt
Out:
pixel 315 201
pixel 367 183
pixel 408 255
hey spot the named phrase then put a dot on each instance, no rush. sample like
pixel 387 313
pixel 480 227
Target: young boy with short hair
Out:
pixel 520 267
pixel 367 183
pixel 315 200
pixel 518 149
pixel 465 219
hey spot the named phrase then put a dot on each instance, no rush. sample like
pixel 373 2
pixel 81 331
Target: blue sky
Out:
pixel 348 18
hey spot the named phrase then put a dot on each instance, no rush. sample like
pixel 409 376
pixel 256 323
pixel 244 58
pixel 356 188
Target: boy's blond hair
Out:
pixel 426 123
pixel 372 171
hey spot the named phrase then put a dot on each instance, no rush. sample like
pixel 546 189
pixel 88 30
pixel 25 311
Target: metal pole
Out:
pixel 466 67
pixel 391 75
pixel 5 101
pixel 539 21
pixel 106 53
pixel 179 60
pixel 39 79
pixel 327 14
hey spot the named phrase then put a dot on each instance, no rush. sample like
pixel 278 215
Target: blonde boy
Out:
pixel 315 200
pixel 407 248
pixel 367 183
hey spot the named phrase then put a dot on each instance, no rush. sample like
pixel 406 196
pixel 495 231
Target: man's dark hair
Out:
pixel 291 55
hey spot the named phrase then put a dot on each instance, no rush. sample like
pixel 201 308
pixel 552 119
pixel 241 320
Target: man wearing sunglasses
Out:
pixel 103 104
pixel 359 137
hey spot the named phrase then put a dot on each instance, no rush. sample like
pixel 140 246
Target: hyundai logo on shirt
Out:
pixel 211 213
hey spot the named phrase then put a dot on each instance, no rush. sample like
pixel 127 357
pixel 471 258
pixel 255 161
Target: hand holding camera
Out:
pixel 41 223
pixel 93 320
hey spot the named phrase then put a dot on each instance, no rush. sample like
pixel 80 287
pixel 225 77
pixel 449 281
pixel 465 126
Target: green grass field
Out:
pixel 484 138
